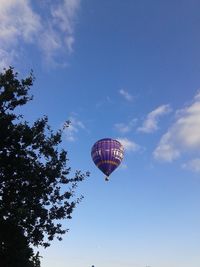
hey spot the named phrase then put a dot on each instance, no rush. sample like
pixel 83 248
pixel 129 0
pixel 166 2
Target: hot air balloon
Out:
pixel 107 155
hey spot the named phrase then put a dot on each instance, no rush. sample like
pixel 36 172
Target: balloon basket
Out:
pixel 107 178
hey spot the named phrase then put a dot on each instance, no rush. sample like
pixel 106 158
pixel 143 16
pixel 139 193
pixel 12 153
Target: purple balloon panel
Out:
pixel 107 154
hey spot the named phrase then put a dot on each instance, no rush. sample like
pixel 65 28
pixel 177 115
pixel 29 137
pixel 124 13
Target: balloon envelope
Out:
pixel 107 154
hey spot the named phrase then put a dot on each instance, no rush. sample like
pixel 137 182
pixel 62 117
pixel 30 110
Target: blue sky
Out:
pixel 128 70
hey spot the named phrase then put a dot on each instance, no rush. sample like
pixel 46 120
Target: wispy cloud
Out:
pixel 125 127
pixel 106 101
pixel 183 136
pixel 192 165
pixel 126 95
pixel 18 23
pixel 74 127
pixel 64 16
pixel 151 122
pixel 167 149
pixel 52 34
pixel 128 144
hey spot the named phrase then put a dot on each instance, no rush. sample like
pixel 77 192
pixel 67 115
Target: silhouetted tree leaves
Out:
pixel 35 190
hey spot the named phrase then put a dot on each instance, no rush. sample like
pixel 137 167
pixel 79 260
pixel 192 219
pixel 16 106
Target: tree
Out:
pixel 35 189
pixel 15 250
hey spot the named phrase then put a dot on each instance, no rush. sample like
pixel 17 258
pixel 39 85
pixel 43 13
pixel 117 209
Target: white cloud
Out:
pixel 183 136
pixel 126 95
pixel 18 22
pixel 6 58
pixel 52 33
pixel 74 127
pixel 13 25
pixel 65 13
pixel 125 127
pixel 128 144
pixel 166 149
pixel 192 165
pixel 151 122
pixel 64 16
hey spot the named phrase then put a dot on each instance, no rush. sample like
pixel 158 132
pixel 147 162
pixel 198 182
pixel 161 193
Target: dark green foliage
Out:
pixel 35 191
pixel 15 250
